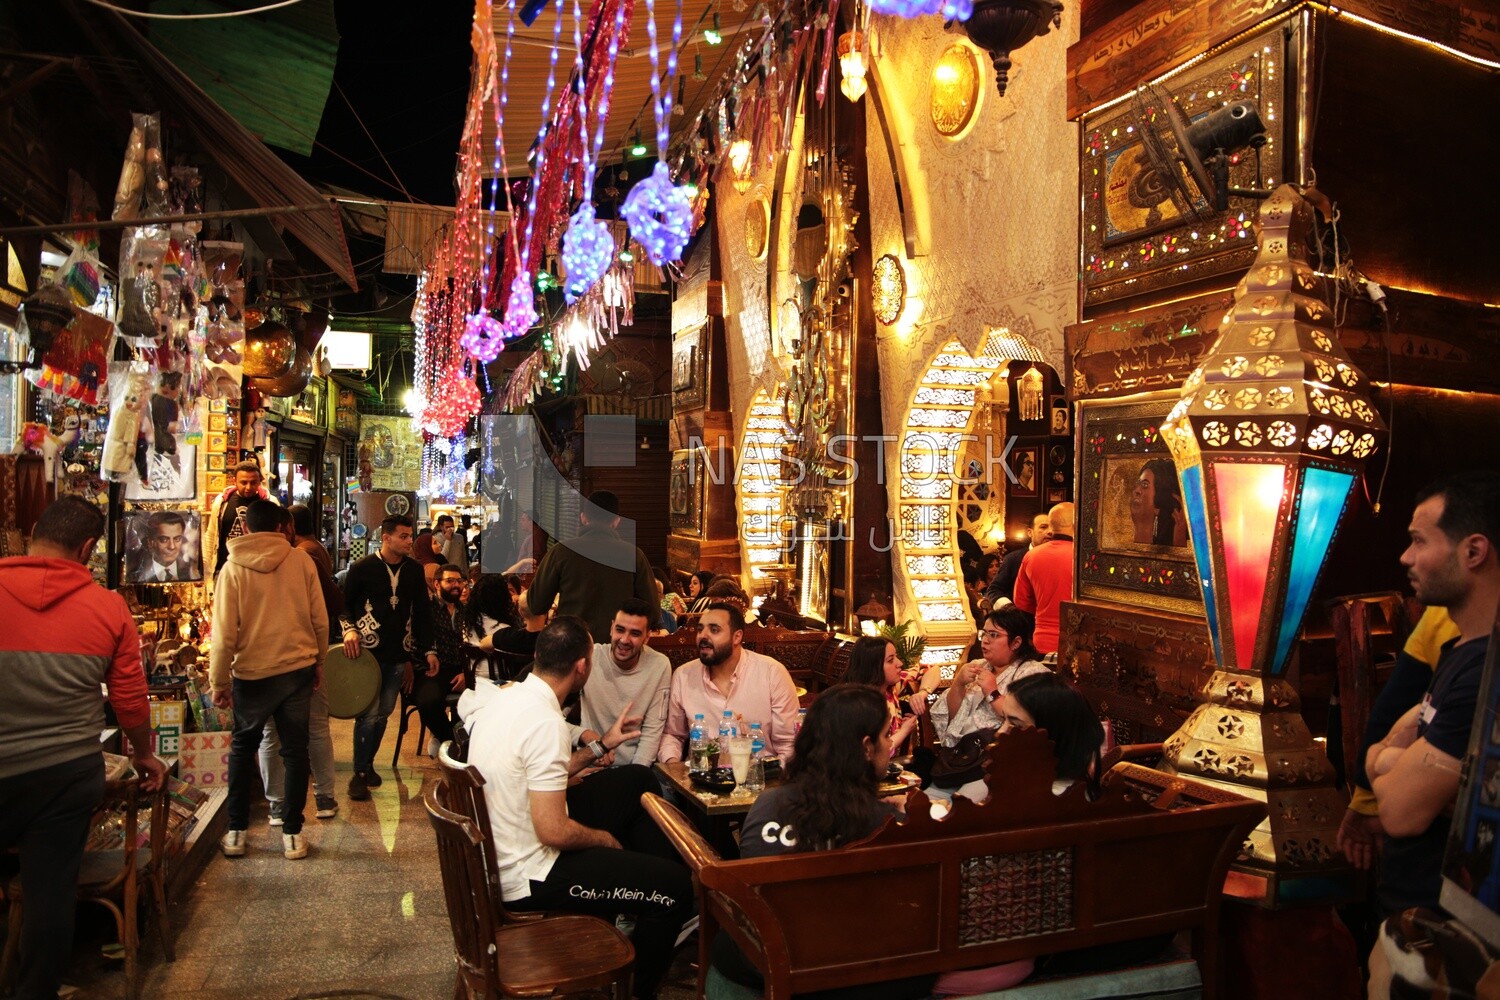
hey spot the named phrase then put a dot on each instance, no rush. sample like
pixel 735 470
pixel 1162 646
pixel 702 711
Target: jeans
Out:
pixel 646 879
pixel 370 727
pixel 319 752
pixel 45 813
pixel 287 699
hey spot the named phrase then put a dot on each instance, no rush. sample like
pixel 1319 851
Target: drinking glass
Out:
pixel 739 758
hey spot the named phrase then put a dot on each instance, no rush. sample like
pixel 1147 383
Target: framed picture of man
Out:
pixel 1024 472
pixel 162 546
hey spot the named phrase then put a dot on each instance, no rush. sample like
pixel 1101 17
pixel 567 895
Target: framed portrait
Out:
pixel 1140 236
pixel 1026 471
pixel 1055 495
pixel 217 421
pixel 162 546
pixel 216 461
pixel 1132 536
pixel 1061 424
pixel 685 491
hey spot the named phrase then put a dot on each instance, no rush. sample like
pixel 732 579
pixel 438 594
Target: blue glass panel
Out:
pixel 1323 494
pixel 1197 518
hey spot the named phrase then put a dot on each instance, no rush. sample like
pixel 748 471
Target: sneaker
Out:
pixel 358 790
pixel 372 780
pixel 276 818
pixel 233 844
pixel 294 846
pixel 328 807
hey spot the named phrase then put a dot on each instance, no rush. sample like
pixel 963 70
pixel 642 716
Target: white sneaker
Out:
pixel 233 844
pixel 275 811
pixel 294 846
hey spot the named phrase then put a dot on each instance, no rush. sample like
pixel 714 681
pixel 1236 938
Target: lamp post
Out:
pixel 1269 437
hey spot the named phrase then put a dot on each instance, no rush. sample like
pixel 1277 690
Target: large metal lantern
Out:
pixel 1269 437
pixel 291 382
pixel 270 351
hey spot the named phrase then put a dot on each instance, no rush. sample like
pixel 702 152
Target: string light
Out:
pixel 659 213
pixel 588 245
pixel 951 10
pixel 483 337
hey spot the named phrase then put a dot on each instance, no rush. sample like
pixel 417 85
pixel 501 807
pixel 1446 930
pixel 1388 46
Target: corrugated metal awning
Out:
pixel 651 409
pixel 259 172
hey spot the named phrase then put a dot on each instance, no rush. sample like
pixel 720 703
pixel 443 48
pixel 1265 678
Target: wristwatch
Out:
pixel 596 747
pixel 993 696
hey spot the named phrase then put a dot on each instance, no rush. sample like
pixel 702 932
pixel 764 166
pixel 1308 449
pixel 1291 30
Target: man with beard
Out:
pixel 1453 562
pixel 449 674
pixel 626 675
pixel 228 511
pixel 729 677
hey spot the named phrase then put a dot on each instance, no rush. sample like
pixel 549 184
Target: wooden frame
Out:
pixel 1118 443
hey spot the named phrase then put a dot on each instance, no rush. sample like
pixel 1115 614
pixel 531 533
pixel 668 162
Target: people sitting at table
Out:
pixel 629 678
pixel 497 623
pixel 1007 655
pixel 874 662
pixel 830 799
pixel 588 848
pixel 726 676
pixel 1045 701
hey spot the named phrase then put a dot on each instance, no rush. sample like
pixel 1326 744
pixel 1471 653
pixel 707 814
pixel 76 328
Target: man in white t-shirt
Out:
pixel 588 848
pixel 627 673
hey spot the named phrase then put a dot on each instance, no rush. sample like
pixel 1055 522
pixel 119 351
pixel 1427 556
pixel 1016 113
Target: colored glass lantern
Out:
pixel 1269 436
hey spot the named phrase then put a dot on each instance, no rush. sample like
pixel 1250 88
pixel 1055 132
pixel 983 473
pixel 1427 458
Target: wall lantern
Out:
pixel 853 64
pixel 1269 437
pixel 889 291
pixel 955 90
pixel 741 164
pixel 1002 26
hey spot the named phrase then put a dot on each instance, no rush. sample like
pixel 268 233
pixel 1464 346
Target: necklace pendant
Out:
pixel 394 600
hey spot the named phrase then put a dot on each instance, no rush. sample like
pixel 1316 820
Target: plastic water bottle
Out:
pixel 757 740
pixel 696 744
pixel 755 776
pixel 726 733
pixel 801 718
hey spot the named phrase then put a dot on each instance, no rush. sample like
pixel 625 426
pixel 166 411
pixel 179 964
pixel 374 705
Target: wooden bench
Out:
pixel 1026 874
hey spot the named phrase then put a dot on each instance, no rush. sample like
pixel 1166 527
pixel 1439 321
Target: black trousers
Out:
pixel 46 814
pixel 646 879
pixel 431 697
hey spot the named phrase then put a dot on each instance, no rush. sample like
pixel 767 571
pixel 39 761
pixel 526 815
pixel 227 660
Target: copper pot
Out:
pixel 270 351
pixel 291 382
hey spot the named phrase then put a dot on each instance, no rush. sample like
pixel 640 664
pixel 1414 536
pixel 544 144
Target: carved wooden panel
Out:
pixel 1005 896
pixel 1142 669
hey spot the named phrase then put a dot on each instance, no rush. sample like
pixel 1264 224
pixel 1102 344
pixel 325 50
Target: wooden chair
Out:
pixel 461 790
pixel 564 955
pixel 112 878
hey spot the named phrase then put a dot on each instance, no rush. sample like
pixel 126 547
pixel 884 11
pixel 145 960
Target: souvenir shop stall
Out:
pixel 139 383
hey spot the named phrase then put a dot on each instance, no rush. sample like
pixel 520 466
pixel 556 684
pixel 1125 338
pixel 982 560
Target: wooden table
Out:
pixel 738 802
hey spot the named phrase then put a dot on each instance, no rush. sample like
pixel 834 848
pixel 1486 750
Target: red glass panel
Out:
pixel 1249 497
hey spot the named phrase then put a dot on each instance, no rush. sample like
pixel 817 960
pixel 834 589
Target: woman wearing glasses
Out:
pixel 973 699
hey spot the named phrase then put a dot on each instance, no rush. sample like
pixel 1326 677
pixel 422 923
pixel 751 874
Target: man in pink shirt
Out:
pixel 1046 579
pixel 728 676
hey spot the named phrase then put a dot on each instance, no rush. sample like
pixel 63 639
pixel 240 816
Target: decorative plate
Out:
pixel 359 530
pixel 397 504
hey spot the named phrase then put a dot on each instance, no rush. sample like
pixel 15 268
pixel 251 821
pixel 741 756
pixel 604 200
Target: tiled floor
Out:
pixel 361 915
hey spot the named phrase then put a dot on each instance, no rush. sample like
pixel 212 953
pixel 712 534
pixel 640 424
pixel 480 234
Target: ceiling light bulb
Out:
pixel 741 166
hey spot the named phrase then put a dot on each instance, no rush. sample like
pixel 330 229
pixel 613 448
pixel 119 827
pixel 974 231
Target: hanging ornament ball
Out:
pixel 520 308
pixel 483 337
pixel 290 382
pixel 270 351
pixel 588 250
pixel 660 215
pixel 325 363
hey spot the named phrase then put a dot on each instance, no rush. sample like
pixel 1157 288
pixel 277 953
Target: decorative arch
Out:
pixel 940 424
pixel 762 495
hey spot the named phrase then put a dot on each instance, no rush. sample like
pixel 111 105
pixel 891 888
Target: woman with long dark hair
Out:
pixel 831 798
pixel 697 593
pixel 496 624
pixel 874 662
pixel 1047 702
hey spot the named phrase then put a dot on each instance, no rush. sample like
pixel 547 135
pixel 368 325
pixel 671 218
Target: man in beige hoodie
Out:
pixel 270 633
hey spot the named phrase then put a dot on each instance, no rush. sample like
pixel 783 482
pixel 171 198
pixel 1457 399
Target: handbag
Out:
pixel 964 762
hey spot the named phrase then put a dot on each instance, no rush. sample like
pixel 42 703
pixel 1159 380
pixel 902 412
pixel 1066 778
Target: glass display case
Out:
pixel 330 524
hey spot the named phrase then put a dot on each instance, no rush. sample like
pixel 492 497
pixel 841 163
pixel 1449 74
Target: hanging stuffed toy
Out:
pixel 131 391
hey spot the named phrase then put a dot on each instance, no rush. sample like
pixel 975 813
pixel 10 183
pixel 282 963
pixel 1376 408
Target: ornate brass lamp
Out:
pixel 1269 437
pixel 1002 26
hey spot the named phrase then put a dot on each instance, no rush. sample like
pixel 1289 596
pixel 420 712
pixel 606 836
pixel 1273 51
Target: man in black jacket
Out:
pixel 386 611
pixel 593 574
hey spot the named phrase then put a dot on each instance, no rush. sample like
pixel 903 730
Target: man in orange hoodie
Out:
pixel 270 633
pixel 64 637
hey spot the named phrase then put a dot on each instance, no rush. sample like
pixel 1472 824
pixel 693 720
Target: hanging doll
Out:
pixel 127 409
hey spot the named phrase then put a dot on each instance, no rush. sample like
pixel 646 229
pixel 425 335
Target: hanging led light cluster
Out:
pixel 951 10
pixel 588 245
pixel 660 213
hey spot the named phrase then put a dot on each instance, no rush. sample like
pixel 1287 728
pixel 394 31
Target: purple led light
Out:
pixel 483 337
pixel 660 215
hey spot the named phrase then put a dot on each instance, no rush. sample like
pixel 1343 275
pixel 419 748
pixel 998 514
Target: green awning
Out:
pixel 271 71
